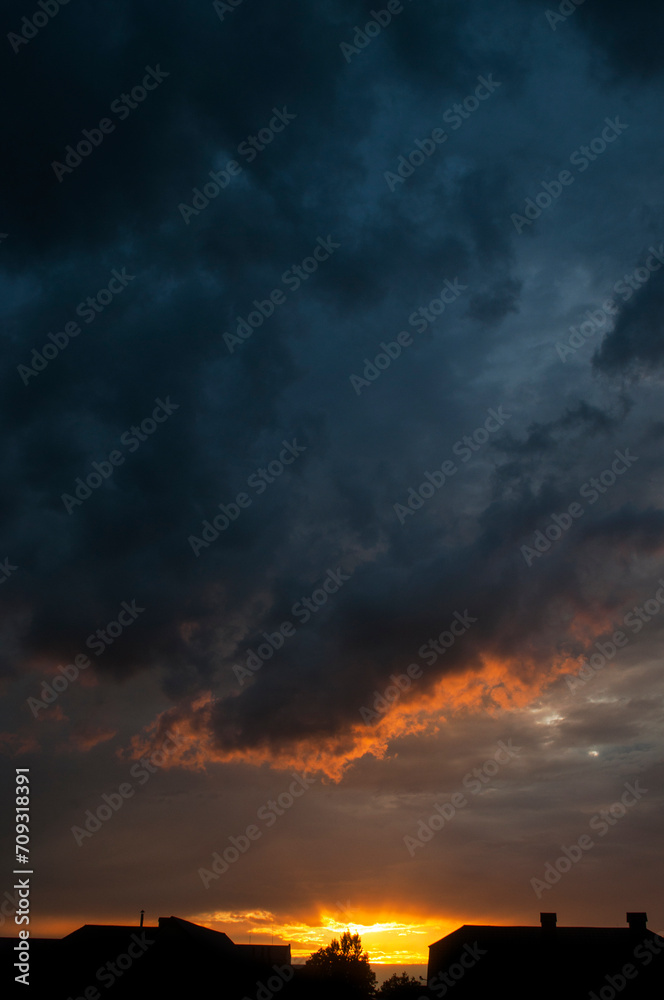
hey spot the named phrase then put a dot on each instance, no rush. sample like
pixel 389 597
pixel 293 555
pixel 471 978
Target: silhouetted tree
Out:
pixel 401 987
pixel 345 966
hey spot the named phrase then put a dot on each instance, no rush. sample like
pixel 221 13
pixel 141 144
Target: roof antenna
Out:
pixel 142 915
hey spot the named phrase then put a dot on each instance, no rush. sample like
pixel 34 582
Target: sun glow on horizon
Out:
pixel 388 939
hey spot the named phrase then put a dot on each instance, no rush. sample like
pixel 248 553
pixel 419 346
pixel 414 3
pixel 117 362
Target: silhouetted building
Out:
pixel 176 960
pixel 549 962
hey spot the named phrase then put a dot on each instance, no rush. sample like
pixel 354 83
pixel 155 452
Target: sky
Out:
pixel 333 514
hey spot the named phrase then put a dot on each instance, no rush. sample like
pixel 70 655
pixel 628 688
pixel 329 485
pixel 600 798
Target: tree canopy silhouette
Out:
pixel 400 987
pixel 346 964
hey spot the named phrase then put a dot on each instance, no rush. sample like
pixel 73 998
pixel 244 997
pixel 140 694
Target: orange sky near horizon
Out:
pixel 389 938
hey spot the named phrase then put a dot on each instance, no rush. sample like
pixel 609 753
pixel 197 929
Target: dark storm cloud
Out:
pixel 635 343
pixel 584 418
pixel 162 335
pixel 627 37
pixel 623 40
pixel 322 177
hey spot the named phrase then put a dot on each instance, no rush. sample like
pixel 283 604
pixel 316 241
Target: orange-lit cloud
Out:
pixel 85 736
pixel 498 686
pixel 16 744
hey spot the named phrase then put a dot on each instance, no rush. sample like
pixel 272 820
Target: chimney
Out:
pixel 548 921
pixel 142 915
pixel 637 921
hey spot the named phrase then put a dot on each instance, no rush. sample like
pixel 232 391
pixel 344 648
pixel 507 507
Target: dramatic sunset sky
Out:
pixel 507 159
